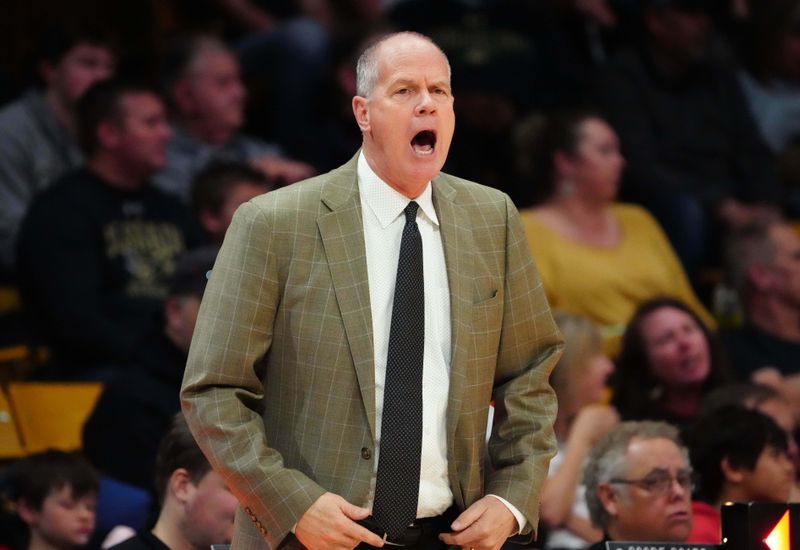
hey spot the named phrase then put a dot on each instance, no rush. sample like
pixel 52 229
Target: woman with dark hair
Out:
pixel 597 257
pixel 667 363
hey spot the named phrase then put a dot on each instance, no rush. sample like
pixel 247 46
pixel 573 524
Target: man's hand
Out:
pixel 330 524
pixel 483 526
pixel 592 423
pixel 282 171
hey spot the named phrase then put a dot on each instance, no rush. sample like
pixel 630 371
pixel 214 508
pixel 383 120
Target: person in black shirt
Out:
pixel 97 249
pixel 694 154
pixel 763 265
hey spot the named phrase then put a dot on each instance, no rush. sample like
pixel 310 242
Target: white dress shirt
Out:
pixel 382 214
pixel 383 219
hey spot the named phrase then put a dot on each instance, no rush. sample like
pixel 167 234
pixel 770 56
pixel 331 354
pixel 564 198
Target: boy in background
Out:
pixel 55 494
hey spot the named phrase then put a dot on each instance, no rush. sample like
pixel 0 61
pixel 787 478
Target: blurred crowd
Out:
pixel 652 147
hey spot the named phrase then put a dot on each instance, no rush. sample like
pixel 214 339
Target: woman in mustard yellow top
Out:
pixel 597 257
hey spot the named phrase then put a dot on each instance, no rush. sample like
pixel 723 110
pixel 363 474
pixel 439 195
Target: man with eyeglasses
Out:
pixel 639 484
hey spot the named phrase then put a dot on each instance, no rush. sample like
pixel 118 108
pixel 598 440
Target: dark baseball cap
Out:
pixel 192 272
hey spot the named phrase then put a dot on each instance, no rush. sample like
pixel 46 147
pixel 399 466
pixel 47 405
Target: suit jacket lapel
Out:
pixel 457 242
pixel 342 234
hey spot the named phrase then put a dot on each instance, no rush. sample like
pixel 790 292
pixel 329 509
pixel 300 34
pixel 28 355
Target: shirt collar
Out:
pixel 386 202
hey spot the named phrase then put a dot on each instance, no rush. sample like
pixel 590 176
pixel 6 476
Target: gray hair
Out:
pixel 751 246
pixel 183 55
pixel 367 66
pixel 606 461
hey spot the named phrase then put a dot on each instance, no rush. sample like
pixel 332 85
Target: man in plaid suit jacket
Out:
pixel 280 386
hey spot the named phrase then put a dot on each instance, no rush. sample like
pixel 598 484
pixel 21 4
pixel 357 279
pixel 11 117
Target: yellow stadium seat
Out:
pixel 50 415
pixel 10 443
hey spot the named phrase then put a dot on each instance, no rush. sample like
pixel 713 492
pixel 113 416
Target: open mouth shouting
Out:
pixel 424 142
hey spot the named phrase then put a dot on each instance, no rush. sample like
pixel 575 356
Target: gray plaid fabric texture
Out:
pixel 397 482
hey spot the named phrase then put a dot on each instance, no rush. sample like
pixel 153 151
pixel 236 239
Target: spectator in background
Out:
pixel 202 81
pixel 668 362
pixel 740 456
pixel 197 509
pixel 98 247
pixel 38 135
pixel 639 484
pixel 763 265
pixel 771 75
pixel 768 401
pixel 55 495
pixel 695 158
pixel 578 228
pixel 219 189
pixel 122 434
pixel 285 52
pixel 579 380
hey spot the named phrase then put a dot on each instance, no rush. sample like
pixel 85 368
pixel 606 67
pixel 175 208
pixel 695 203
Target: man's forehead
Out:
pixel 404 48
pixel 139 101
pixel 645 455
pixel 88 47
pixel 210 60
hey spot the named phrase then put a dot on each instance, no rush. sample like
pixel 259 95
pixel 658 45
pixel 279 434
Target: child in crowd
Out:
pixel 55 495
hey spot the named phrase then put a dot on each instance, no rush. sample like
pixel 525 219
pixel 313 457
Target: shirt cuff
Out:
pixel 521 520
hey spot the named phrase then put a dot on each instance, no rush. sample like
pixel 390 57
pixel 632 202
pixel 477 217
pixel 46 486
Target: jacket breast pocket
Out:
pixel 487 322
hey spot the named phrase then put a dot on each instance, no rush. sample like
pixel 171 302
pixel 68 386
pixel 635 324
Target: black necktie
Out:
pixel 397 483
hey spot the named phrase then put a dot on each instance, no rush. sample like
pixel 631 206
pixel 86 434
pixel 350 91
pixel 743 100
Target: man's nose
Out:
pixel 426 105
pixel 676 489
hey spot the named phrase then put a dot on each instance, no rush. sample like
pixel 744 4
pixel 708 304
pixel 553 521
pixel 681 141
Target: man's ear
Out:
pixel 47 71
pixel 210 221
pixel 108 134
pixel 183 96
pixel 608 498
pixel 28 513
pixel 180 485
pixel 732 474
pixel 760 276
pixel 361 112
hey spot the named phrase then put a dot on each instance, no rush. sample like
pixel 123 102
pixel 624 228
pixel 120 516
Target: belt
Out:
pixel 419 531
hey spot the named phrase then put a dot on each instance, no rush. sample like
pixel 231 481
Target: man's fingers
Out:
pixel 468 517
pixel 361 533
pixel 365 535
pixel 482 526
pixel 354 512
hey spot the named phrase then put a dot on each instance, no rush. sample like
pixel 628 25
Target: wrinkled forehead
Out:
pixel 647 455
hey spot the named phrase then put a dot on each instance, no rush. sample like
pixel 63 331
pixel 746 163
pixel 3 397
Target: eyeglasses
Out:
pixel 660 481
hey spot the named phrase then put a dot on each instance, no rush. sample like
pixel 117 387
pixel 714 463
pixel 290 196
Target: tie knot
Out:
pixel 411 212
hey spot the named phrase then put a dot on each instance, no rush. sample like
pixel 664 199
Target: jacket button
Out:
pixel 366 454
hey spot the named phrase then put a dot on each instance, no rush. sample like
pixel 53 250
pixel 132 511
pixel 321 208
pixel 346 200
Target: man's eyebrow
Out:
pixel 657 471
pixel 402 81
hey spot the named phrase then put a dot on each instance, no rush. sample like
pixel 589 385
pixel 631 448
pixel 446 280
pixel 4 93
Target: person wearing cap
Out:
pixel 121 435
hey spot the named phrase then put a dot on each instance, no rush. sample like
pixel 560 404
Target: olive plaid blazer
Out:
pixel 279 388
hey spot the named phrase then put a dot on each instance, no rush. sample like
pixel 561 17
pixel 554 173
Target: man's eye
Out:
pixel 654 481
